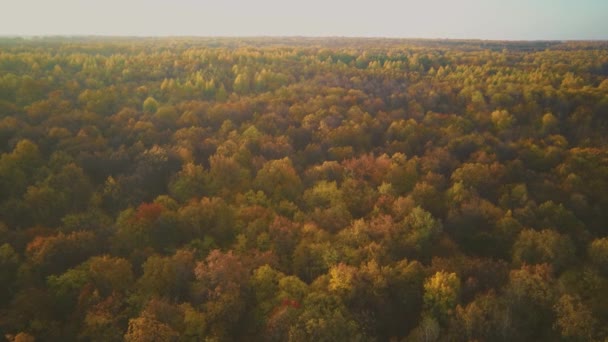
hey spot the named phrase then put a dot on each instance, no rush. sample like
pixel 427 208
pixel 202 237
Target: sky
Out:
pixel 457 19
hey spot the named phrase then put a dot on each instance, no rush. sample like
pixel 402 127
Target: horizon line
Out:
pixel 169 36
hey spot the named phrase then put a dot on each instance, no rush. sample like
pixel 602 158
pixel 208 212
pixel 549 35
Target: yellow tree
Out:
pixel 441 292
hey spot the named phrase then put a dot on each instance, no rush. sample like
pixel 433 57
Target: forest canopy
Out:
pixel 300 189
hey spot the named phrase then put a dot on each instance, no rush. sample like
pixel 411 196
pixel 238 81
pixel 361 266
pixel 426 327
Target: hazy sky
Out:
pixel 484 19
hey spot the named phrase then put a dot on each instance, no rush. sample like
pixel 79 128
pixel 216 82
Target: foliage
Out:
pixel 297 189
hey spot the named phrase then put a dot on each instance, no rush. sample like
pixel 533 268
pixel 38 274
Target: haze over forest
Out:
pixel 467 19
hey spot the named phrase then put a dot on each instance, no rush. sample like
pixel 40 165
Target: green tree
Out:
pixel 150 105
pixel 279 180
pixel 190 182
pixel 324 319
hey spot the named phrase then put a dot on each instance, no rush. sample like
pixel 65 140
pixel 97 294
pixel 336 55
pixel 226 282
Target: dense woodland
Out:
pixel 302 189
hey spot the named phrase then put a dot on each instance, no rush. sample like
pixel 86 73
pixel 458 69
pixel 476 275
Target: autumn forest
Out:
pixel 303 189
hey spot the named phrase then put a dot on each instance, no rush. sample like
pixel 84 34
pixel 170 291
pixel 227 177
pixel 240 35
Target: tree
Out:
pixel 221 95
pixel 241 84
pixel 341 280
pixel 23 337
pixel 598 253
pixel 165 116
pixel 324 319
pixel 226 175
pixel 72 187
pixel 420 230
pixel 546 246
pixel 279 180
pixel 312 259
pixel 574 320
pixel 150 105
pixel 110 274
pixel 66 289
pixel 54 254
pixel 530 296
pixel 151 225
pixel 190 182
pixel 483 178
pixel 211 217
pixel 9 263
pixel 358 197
pixel 148 329
pixel 502 120
pixel 167 277
pixel 485 319
pixel 429 198
pixel 105 320
pixel 19 166
pixel 220 289
pixel 472 224
pixel 427 331
pixel 265 284
pixel 441 294
pixel 327 206
pixel 550 124
pixel 100 101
